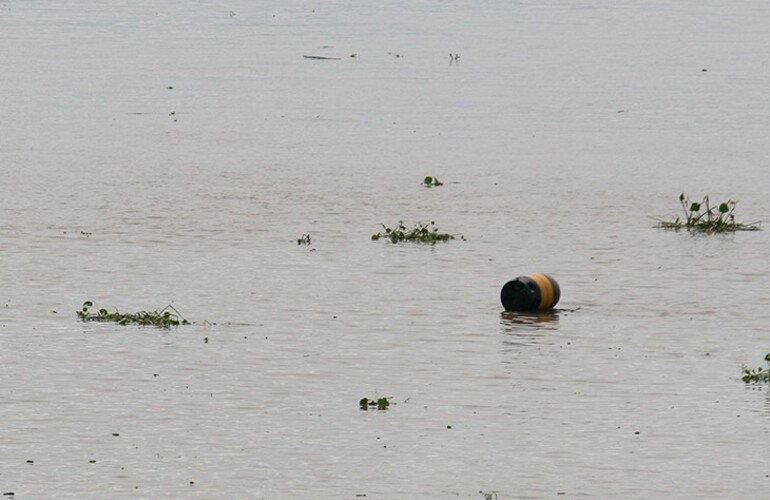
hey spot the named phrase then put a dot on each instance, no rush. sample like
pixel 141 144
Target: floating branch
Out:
pixel 702 217
pixel 420 233
pixel 163 318
pixel 323 58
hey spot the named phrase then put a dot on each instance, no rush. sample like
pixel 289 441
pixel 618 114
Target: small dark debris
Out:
pixel 192 482
pixel 92 461
pixel 205 340
pixel 30 461
pixel 636 433
pixel 8 494
pixel 448 426
pixel 116 434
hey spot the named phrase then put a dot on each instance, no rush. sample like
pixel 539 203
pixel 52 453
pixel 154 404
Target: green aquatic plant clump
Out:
pixel 420 233
pixel 757 375
pixel 431 181
pixel 162 319
pixel 702 217
pixel 380 403
pixel 303 240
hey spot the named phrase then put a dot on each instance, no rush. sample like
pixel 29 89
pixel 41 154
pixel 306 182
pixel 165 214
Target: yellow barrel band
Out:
pixel 546 290
pixel 556 290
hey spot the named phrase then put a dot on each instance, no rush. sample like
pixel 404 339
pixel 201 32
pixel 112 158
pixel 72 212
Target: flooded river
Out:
pixel 172 153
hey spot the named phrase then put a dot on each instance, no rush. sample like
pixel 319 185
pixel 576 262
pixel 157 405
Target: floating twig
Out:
pixel 323 58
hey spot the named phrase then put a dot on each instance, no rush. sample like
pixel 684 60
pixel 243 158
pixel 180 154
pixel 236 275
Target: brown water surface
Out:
pixel 172 154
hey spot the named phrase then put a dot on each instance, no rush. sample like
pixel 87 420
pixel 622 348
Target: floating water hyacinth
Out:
pixel 380 403
pixel 757 375
pixel 163 318
pixel 702 217
pixel 420 233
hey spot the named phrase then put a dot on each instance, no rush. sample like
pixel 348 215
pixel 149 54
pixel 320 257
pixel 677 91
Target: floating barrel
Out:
pixel 533 292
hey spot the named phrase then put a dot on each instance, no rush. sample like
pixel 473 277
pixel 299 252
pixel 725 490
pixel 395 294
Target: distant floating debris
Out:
pixel 323 58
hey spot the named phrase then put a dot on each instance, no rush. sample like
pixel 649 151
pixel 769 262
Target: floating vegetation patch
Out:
pixel 303 240
pixel 430 181
pixel 702 217
pixel 380 404
pixel 420 233
pixel 757 375
pixel 164 318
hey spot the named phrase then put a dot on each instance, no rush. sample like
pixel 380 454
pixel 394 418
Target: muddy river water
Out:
pixel 156 153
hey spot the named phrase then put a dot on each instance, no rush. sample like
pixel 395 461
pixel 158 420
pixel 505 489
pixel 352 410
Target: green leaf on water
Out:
pixel 694 207
pixel 724 208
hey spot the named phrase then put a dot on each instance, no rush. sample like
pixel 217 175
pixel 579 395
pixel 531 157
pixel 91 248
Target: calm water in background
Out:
pixel 564 126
